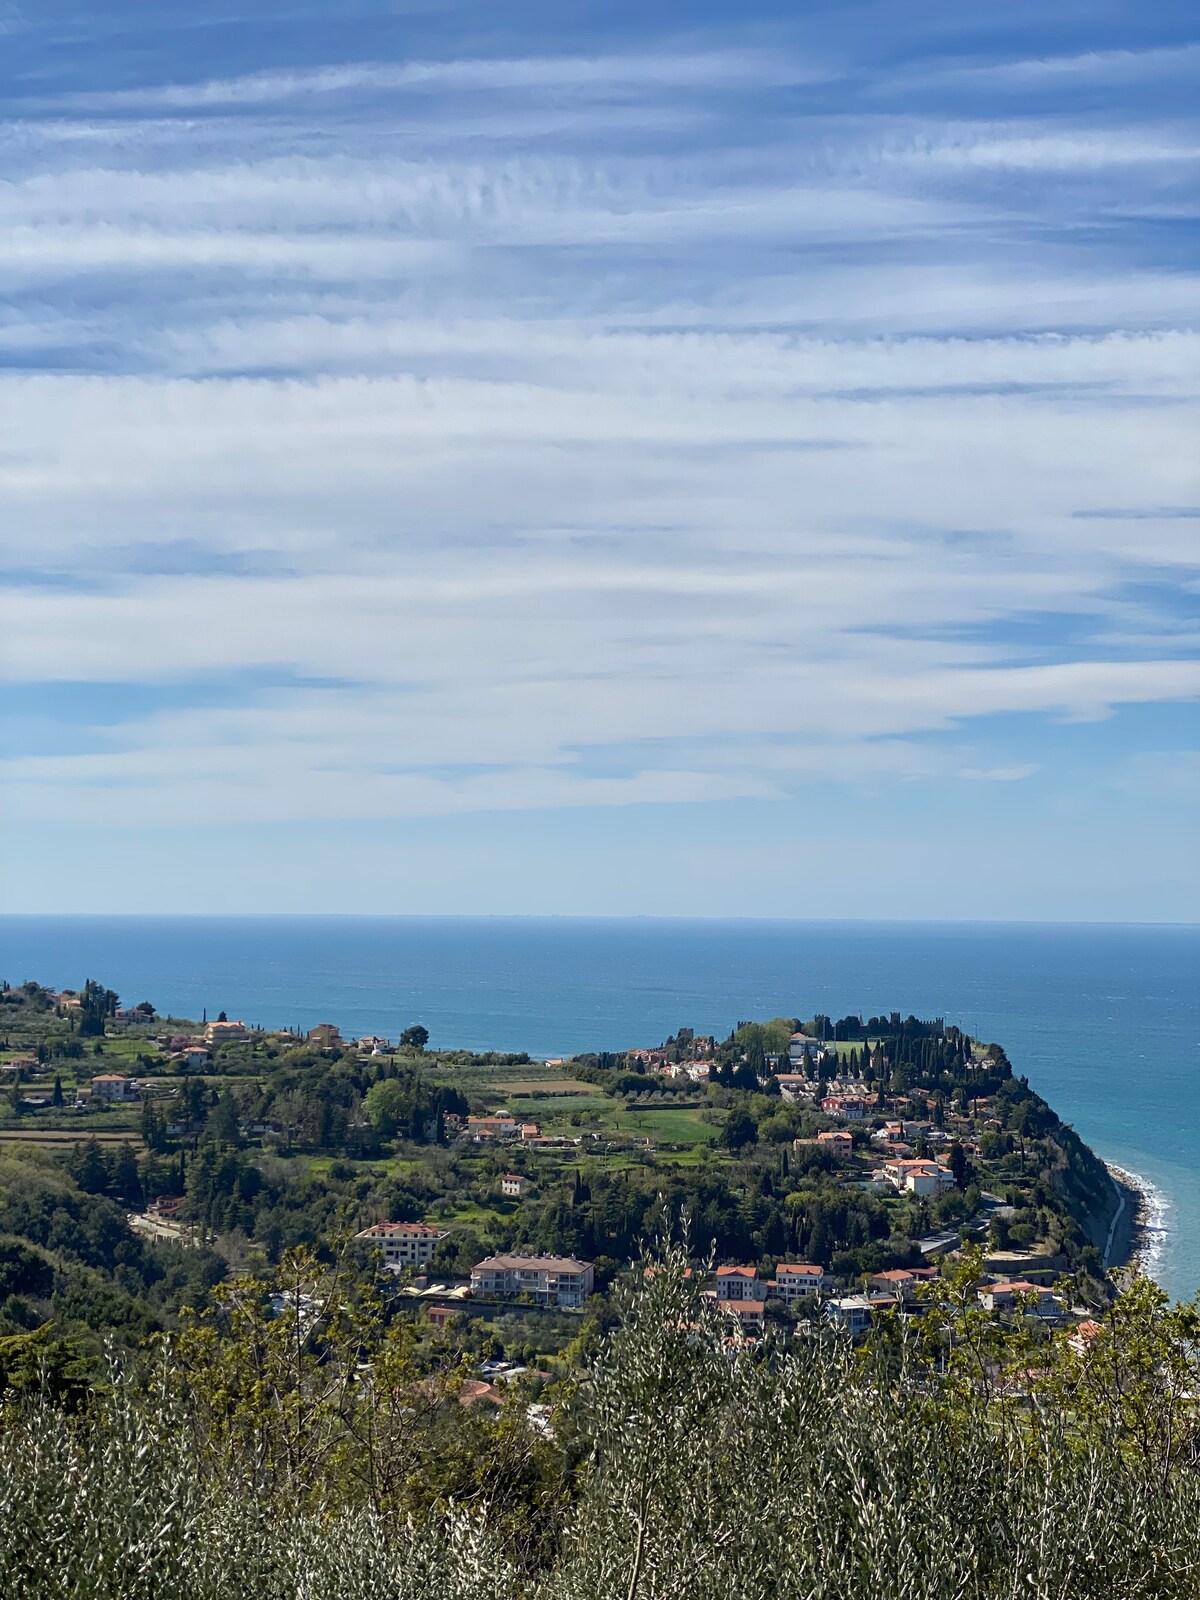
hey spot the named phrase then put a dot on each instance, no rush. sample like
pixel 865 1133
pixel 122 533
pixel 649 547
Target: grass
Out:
pixel 526 1086
pixel 669 1125
pixel 57 1138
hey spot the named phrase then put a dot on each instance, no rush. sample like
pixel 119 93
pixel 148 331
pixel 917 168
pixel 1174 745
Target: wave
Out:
pixel 1153 1209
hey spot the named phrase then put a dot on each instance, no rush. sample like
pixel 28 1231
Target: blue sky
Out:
pixel 600 459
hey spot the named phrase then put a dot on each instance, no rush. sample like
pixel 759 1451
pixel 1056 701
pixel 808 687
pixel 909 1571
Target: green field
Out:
pixel 670 1125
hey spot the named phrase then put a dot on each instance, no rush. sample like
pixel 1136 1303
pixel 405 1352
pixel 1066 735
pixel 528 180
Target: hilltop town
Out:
pixel 828 1172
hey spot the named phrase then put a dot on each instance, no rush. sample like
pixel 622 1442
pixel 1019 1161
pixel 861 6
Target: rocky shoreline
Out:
pixel 1134 1233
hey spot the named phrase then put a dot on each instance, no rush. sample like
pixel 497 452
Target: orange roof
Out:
pixel 737 1272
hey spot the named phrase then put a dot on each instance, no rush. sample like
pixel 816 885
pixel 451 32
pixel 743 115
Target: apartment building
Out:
pixel 403 1244
pixel 550 1280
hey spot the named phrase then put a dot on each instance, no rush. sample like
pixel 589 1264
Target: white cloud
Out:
pixel 1082 69
pixel 1013 774
pixel 601 74
pixel 1088 150
pixel 587 474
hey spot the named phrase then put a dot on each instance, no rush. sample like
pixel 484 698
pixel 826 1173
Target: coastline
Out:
pixel 1138 1232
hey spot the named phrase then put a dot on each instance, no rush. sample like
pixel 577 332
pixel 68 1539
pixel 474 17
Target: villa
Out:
pixel 739 1283
pixel 404 1244
pixel 550 1280
pixel 794 1279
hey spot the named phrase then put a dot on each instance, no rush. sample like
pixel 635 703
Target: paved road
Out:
pixel 1112 1227
pixel 171 1232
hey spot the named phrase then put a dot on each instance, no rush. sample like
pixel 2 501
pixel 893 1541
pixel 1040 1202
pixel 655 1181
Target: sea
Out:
pixel 1104 1020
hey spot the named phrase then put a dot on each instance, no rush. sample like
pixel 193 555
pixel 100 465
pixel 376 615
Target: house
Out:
pixel 550 1280
pixel 530 1131
pixel 1042 1302
pixel 902 1282
pixel 326 1035
pixel 477 1390
pixel 851 1312
pixel 194 1058
pixel 839 1143
pixel 166 1206
pixel 113 1089
pixel 802 1047
pixel 131 1014
pixel 793 1086
pixel 501 1127
pixel 403 1244
pixel 892 1133
pixel 224 1032
pixel 1081 1340
pixel 851 1108
pixel 697 1071
pixel 513 1185
pixel 373 1045
pixel 648 1060
pixel 794 1279
pixel 922 1178
pixel 750 1315
pixel 739 1283
pixel 694 1071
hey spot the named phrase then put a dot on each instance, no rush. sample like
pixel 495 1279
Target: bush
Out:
pixel 685 1468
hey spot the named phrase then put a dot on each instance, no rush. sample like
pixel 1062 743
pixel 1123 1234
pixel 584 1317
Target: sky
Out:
pixel 600 459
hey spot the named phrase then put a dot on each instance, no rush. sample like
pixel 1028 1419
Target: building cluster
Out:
pixel 742 1294
pixel 739 1292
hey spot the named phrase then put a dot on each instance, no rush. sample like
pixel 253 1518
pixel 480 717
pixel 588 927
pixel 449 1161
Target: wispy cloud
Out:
pixel 634 72
pixel 1083 69
pixel 627 426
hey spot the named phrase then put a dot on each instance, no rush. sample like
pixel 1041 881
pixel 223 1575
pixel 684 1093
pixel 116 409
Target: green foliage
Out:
pixel 45 1364
pixel 300 1448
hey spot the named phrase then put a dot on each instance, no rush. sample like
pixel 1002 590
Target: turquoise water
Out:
pixel 1105 1021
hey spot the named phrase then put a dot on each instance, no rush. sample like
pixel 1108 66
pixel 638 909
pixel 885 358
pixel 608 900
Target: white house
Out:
pixel 794 1279
pixel 403 1244
pixel 739 1283
pixel 852 1312
pixel 224 1032
pixel 922 1178
pixel 113 1089
pixel 550 1280
pixel 802 1047
pixel 513 1185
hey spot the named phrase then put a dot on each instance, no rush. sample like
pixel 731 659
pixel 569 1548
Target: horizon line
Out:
pixel 585 916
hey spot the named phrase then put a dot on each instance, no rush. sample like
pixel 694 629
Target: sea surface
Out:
pixel 1105 1021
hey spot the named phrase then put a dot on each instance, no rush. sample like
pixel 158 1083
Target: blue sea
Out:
pixel 1105 1021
